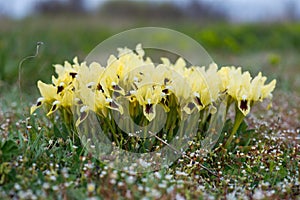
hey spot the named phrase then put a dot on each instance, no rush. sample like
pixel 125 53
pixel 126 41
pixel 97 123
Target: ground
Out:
pixel 40 159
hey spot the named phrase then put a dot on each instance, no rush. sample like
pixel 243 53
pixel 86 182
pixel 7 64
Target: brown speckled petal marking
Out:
pixel 100 88
pixel 73 74
pixel 198 101
pixel 149 108
pixel 243 105
pixel 59 89
pixel 55 106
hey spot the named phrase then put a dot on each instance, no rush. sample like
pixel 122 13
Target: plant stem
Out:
pixel 229 101
pixel 112 129
pixel 239 117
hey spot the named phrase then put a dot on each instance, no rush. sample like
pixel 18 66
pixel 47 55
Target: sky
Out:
pixel 237 10
pixel 255 10
pixel 21 8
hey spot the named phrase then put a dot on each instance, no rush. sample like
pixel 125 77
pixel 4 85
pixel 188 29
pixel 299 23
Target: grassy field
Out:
pixel 39 159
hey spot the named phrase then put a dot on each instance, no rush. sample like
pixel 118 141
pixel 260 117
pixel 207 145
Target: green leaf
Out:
pixel 76 193
pixel 8 149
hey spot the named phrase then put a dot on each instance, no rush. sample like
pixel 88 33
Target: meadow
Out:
pixel 40 160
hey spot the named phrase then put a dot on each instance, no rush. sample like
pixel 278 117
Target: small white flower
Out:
pixel 130 179
pixel 169 176
pixel 91 187
pixel 17 186
pixel 157 175
pixel 55 187
pixel 179 173
pixel 258 194
pixel 162 185
pixel 179 197
pixel 52 178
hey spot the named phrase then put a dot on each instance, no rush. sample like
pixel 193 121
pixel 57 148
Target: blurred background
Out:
pixel 257 35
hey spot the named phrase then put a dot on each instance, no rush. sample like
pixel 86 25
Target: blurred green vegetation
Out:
pixel 271 47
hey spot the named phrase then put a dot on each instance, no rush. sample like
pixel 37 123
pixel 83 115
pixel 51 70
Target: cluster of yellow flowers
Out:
pixel 137 79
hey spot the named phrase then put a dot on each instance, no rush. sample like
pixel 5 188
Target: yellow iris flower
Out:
pixel 149 97
pixel 130 75
pixel 200 95
pixel 242 88
pixel 61 92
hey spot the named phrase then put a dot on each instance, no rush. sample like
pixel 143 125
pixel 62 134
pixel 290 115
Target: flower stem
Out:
pixel 239 117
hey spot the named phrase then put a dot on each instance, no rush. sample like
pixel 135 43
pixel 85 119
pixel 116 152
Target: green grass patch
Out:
pixel 42 160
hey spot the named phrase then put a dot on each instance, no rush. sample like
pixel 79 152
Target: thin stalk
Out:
pixel 239 117
pixel 115 137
